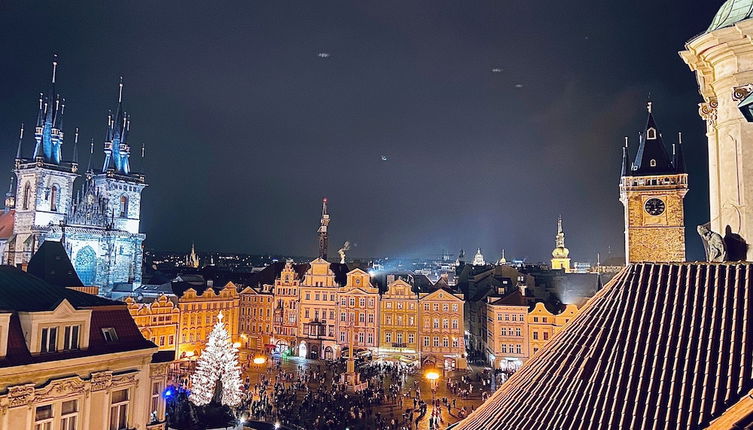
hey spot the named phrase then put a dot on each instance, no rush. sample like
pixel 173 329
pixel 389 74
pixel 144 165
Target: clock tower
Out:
pixel 652 189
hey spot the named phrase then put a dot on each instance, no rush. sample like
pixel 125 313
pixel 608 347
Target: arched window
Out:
pixel 27 195
pixel 86 265
pixel 652 163
pixel 54 198
pixel 123 206
pixel 651 134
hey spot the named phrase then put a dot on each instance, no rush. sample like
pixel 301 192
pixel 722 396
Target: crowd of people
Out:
pixel 317 397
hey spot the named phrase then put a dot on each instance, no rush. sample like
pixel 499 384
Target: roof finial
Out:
pixel 679 137
pixel 54 66
pixel 91 154
pixel 649 106
pixel 75 147
pixel 120 90
pixel 626 141
pixel 143 149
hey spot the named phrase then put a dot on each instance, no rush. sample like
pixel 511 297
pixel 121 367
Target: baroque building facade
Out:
pixel 96 215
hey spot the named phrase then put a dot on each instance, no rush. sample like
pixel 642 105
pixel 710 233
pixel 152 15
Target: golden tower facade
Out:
pixel 652 189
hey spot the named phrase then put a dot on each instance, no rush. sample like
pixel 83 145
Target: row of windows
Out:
pixel 352 302
pixel 253 312
pixel 362 317
pixel 399 337
pixel 307 314
pixel 170 340
pixel 207 306
pixel 410 320
pixel 545 335
pixel 509 331
pixel 50 338
pixel 359 338
pixel 510 317
pixel 321 297
pixel 511 348
pixel 445 323
pixel 445 342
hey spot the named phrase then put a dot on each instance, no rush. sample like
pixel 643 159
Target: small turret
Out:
pixel 48 131
pixel 117 151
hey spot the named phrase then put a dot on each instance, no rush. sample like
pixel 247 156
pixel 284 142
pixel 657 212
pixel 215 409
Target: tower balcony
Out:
pixel 659 182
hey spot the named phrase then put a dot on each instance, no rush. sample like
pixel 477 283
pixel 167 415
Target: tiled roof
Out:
pixel 23 292
pixel 6 224
pixel 661 346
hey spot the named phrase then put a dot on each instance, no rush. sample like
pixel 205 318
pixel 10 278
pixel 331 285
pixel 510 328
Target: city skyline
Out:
pixel 419 137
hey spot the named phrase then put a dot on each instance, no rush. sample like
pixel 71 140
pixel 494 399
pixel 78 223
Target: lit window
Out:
pixel 651 133
pixel 119 410
pixel 156 393
pixel 652 163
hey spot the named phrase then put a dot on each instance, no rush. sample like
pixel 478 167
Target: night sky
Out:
pixel 246 127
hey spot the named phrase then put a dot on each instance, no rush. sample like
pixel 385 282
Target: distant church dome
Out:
pixel 731 12
pixel 560 252
pixel 478 259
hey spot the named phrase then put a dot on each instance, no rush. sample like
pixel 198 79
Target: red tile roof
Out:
pixel 6 224
pixel 661 346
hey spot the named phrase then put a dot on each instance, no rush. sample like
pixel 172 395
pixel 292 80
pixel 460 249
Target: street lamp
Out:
pixel 259 360
pixel 432 375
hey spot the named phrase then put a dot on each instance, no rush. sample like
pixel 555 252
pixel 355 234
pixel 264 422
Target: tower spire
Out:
pixel 624 170
pixel 678 161
pixel 323 238
pixel 20 142
pixel 74 158
pixel 651 157
pixel 91 155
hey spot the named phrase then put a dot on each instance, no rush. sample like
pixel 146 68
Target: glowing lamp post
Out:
pixel 432 375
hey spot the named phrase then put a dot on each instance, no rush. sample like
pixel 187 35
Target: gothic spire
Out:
pixel 678 161
pixel 652 157
pixel 74 158
pixel 20 142
pixel 91 155
pixel 625 161
pixel 116 148
pixel 48 132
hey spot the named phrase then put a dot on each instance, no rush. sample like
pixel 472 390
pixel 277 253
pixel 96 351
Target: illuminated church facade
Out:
pixel 94 213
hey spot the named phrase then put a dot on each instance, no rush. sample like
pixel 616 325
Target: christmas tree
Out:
pixel 217 377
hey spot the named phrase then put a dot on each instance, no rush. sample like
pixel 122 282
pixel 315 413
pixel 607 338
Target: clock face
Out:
pixel 655 206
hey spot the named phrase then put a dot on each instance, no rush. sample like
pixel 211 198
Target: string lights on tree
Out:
pixel 218 376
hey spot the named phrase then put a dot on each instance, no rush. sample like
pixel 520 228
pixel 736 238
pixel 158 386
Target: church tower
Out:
pixel 44 182
pixel 560 254
pixel 652 189
pixel 722 60
pixel 121 187
pixel 323 238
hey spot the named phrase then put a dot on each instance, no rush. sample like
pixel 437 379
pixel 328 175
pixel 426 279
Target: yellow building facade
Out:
pixel 318 305
pixel 285 310
pixel 507 337
pixel 442 341
pixel 158 321
pixel 544 324
pixel 255 319
pixel 358 313
pixel 198 315
pixel 398 323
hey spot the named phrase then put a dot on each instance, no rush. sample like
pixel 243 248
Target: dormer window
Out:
pixel 110 334
pixel 49 340
pixel 651 133
pixel 71 337
pixel 652 163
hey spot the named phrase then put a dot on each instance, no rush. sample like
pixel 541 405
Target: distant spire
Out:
pixel 560 238
pixel 120 90
pixel 116 148
pixel 323 233
pixel 54 67
pixel 91 155
pixel 678 161
pixel 10 196
pixel 75 147
pixel 649 106
pixel 624 170
pixel 20 141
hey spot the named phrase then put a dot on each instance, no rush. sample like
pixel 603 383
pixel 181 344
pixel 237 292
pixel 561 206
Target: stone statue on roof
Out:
pixel 713 243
